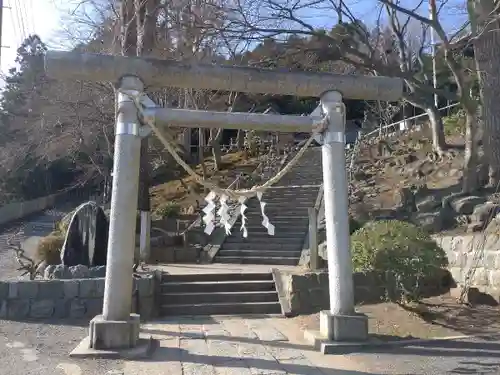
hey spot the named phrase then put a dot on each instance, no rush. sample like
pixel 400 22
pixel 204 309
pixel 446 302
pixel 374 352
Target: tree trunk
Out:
pixel 240 139
pixel 215 137
pixel 487 56
pixel 437 129
pixel 470 178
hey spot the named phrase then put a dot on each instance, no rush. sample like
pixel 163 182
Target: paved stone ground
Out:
pixel 464 356
pixel 33 227
pixel 187 346
pixel 234 345
pixel 217 345
pixel 42 349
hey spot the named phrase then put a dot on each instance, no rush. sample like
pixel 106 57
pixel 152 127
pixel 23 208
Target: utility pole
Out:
pixel 432 17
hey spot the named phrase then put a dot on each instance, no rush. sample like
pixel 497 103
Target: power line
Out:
pixel 21 21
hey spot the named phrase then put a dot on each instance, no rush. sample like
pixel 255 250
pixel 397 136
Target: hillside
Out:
pixel 402 178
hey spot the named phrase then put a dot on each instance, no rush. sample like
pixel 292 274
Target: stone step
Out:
pixel 262 235
pixel 293 222
pixel 254 238
pixel 285 261
pixel 269 245
pixel 217 286
pixel 222 308
pixel 264 253
pixel 256 227
pixel 262 245
pixel 219 297
pixel 299 197
pixel 193 277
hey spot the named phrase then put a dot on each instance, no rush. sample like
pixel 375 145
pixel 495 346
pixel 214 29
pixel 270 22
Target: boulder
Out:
pixel 58 272
pixel 429 221
pixel 429 203
pixel 466 205
pixel 485 212
pixel 79 272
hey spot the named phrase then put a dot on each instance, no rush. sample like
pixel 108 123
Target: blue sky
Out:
pixel 44 17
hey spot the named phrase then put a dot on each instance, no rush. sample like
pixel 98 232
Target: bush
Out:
pixel 168 209
pixel 454 124
pixel 49 248
pixel 402 254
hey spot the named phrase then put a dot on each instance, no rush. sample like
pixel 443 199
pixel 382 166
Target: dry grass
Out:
pixel 175 191
pixel 435 317
pixel 49 249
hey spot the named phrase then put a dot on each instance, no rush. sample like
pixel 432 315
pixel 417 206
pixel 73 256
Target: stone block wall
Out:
pixel 474 250
pixel 307 292
pixel 74 298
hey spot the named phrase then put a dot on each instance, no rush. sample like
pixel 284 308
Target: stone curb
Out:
pixel 326 346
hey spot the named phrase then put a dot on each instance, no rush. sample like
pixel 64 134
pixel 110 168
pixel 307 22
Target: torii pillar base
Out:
pixel 114 339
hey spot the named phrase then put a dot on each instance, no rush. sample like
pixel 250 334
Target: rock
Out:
pixel 475 226
pixel 466 205
pixel 420 190
pixel 429 221
pixel 40 269
pixel 79 272
pixel 97 272
pixel 484 213
pixel 48 271
pixel 430 203
pixel 86 240
pixel 60 272
pixel 409 158
pixel 406 200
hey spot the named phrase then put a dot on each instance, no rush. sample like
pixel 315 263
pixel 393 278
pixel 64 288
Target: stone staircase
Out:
pixel 218 294
pixel 287 206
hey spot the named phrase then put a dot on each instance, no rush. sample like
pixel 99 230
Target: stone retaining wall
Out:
pixel 307 292
pixel 75 299
pixel 462 252
pixel 18 210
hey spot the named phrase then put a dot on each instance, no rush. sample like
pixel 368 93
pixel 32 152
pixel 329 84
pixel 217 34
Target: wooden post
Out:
pixel 313 239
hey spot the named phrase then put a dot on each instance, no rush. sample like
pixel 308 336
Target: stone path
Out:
pixel 32 228
pixel 219 345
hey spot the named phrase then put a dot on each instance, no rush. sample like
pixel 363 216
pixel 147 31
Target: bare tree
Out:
pixel 390 50
pixel 464 81
pixel 485 36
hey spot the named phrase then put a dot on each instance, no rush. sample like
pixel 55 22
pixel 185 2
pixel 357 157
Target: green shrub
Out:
pixel 49 248
pixel 168 209
pixel 455 123
pixel 402 254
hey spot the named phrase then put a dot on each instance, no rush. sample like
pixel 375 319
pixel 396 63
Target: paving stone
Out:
pixel 222 351
pixel 237 328
pixel 194 357
pixel 265 331
pixel 301 366
pixel 236 367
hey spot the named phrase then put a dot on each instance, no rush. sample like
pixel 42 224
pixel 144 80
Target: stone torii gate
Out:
pixel 117 328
